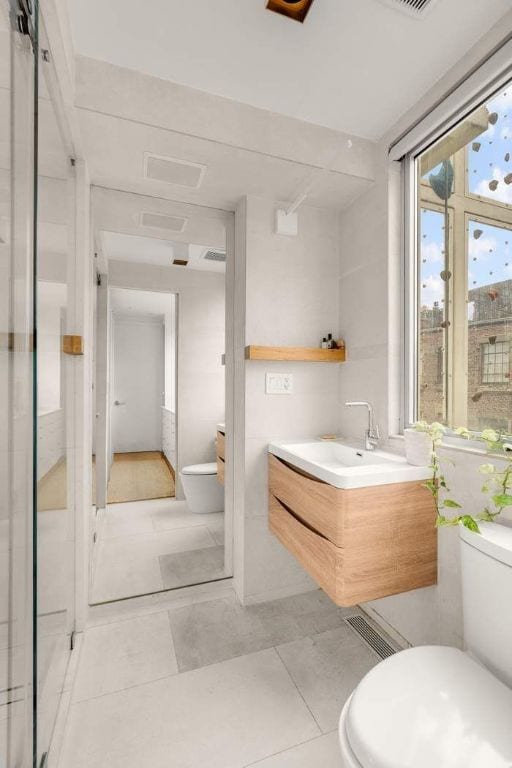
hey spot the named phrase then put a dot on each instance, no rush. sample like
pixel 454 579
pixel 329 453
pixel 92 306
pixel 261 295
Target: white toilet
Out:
pixel 438 707
pixel 202 490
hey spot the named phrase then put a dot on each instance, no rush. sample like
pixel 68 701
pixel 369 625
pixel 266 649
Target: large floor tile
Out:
pixel 123 654
pixel 176 514
pixel 124 578
pixel 222 629
pixel 127 519
pixel 326 668
pixel 192 567
pixel 323 752
pixel 228 715
pixel 155 544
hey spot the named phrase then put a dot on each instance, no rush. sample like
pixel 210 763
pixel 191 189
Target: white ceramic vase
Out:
pixel 418 448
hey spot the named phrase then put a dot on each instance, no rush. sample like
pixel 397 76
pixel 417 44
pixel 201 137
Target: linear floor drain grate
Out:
pixel 372 638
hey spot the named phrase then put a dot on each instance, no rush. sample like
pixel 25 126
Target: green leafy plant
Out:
pixel 498 483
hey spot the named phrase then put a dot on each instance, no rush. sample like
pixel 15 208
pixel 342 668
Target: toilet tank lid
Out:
pixel 494 540
pixel 200 469
pixel 430 706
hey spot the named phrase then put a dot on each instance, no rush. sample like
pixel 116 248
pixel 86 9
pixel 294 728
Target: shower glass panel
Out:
pixel 16 388
pixel 55 497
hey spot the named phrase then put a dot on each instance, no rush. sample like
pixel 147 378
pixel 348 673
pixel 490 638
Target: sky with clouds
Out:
pixel 490 248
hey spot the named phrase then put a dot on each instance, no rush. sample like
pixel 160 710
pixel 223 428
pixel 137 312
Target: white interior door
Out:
pixel 138 385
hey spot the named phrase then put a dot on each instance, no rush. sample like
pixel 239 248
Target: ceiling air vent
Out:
pixel 173 171
pixel 215 256
pixel 415 8
pixel 162 221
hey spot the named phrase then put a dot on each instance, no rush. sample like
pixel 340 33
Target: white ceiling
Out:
pixel 120 236
pixel 355 65
pixel 115 149
pixel 150 304
pixel 151 250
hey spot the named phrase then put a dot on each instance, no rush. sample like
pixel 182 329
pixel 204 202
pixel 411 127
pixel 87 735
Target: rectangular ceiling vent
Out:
pixel 162 221
pixel 416 8
pixel 170 170
pixel 215 256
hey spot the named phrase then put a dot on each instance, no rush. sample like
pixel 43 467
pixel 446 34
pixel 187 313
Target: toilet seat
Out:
pixel 200 469
pixel 428 707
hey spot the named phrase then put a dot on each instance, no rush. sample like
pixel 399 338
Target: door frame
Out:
pixel 231 414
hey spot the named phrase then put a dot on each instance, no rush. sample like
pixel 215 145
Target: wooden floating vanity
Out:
pixel 358 544
pixel 220 443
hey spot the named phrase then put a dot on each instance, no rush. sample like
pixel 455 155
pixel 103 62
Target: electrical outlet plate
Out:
pixel 279 384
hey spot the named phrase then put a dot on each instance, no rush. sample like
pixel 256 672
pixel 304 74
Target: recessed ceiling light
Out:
pixel 162 221
pixel 171 170
pixel 294 9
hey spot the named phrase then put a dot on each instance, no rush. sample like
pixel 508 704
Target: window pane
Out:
pixel 489 156
pixel 431 321
pixel 489 326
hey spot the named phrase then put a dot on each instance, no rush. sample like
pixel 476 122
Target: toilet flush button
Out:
pixel 279 384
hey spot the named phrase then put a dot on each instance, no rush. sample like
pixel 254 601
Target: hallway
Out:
pixel 155 545
pixel 139 476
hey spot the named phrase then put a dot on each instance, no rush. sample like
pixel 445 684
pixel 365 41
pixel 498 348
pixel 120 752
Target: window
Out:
pixel 496 362
pixel 462 262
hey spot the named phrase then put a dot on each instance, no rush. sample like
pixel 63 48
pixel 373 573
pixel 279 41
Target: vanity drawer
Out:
pixel 221 470
pixel 376 516
pixel 221 445
pixel 316 554
pixel 316 503
pixel 355 574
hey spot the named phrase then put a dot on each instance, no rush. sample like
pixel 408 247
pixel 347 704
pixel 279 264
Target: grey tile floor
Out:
pixel 149 546
pixel 215 684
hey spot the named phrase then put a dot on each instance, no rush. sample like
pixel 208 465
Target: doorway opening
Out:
pixel 142 396
pixel 162 446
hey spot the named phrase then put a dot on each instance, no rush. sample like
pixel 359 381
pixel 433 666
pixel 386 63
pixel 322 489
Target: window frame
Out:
pixel 456 399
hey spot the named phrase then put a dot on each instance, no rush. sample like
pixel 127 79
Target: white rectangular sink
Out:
pixel 344 466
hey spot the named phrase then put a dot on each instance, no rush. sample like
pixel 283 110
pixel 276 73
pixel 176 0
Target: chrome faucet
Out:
pixel 371 436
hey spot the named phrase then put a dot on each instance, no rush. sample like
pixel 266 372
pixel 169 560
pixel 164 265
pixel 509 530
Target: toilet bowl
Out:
pixel 202 490
pixel 437 706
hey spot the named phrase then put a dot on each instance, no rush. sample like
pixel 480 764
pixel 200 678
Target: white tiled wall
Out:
pixel 51 440
pixel 291 299
pixel 169 435
pixel 370 308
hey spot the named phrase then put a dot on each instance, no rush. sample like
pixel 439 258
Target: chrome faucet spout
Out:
pixel 372 435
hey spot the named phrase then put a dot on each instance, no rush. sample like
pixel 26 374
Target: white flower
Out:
pixel 490 436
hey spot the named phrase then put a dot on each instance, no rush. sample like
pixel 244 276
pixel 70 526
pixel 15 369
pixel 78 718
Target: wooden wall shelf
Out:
pixel 298 354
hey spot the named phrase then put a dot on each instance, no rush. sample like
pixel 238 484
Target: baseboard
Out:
pixel 170 466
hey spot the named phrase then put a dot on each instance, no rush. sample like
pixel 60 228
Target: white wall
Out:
pixel 138 383
pixel 201 344
pixel 52 299
pixel 170 354
pixel 291 298
pixel 169 407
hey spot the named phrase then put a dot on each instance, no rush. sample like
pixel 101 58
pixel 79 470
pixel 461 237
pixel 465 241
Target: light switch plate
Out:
pixel 279 384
